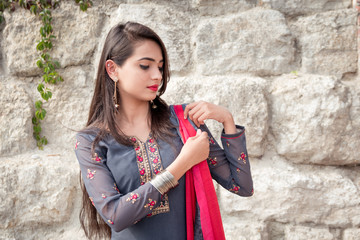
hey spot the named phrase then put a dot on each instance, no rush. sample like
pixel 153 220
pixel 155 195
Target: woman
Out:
pixel 133 136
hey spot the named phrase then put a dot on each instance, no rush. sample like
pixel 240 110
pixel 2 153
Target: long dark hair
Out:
pixel 119 46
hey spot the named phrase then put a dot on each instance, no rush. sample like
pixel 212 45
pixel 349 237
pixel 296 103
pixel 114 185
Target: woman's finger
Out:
pixel 188 108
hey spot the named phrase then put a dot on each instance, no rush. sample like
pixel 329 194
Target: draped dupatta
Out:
pixel 199 187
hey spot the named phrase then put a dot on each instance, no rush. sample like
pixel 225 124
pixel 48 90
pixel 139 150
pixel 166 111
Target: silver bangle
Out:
pixel 164 181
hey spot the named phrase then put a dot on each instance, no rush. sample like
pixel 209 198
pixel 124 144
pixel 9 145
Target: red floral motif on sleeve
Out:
pixel 111 222
pixel 133 197
pixel 103 196
pixel 77 144
pixel 151 204
pixel 212 161
pixel 242 157
pixel 227 143
pixel 234 189
pixel 90 174
pixel 211 140
pixel 96 158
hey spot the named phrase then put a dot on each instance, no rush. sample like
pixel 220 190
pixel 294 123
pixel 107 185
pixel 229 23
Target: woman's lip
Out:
pixel 153 87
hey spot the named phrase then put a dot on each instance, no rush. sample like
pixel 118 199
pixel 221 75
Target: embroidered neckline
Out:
pixel 149 163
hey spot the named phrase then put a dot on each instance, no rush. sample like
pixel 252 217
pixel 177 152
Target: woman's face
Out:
pixel 141 74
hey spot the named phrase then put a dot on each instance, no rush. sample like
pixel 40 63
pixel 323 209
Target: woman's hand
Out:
pixel 198 112
pixel 194 151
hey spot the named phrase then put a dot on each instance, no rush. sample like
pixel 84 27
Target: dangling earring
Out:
pixel 115 97
pixel 153 105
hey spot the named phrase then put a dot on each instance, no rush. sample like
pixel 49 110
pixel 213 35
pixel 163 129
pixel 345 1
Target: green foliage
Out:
pixel 42 8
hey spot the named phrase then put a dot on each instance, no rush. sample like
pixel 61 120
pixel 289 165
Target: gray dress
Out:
pixel 117 179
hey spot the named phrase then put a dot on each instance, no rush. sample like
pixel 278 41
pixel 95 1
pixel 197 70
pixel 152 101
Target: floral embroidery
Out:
pixel 212 161
pixel 151 204
pixel 234 189
pixel 116 188
pixel 133 140
pixel 77 144
pixel 142 162
pixel 111 222
pixel 227 143
pixel 150 164
pixel 133 197
pixel 91 174
pixel 211 140
pixel 238 169
pixel 252 191
pixel 96 158
pixel 92 201
pixel 103 196
pixel 243 157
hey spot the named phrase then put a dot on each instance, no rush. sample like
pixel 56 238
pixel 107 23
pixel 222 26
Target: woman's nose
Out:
pixel 157 74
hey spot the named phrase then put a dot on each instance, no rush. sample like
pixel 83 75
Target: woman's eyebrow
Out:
pixel 150 59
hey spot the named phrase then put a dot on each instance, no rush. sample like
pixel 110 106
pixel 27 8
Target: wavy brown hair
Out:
pixel 119 46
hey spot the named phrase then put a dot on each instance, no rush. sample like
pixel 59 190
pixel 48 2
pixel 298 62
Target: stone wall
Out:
pixel 287 70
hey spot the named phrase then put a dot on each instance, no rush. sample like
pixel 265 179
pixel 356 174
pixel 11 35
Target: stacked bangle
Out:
pixel 164 181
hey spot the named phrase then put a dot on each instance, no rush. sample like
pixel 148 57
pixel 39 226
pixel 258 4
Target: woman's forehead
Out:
pixel 146 50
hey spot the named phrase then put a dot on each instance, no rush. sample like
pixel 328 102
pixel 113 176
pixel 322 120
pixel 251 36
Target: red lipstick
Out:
pixel 153 87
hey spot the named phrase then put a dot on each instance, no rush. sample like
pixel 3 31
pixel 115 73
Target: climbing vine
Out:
pixel 50 76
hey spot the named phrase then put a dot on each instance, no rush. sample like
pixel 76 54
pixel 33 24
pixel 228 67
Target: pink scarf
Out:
pixel 199 186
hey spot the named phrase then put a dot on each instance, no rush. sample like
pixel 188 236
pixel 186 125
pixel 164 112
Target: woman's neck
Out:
pixel 134 119
pixel 133 112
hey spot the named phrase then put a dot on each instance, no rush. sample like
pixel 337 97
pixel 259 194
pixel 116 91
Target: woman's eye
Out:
pixel 144 67
pixel 161 69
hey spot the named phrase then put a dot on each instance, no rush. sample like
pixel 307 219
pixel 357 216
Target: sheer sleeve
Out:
pixel 118 210
pixel 230 167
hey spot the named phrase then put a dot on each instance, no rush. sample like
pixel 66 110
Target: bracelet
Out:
pixel 164 181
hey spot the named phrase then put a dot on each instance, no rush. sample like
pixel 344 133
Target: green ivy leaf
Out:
pixel 33 9
pixel 34 120
pixel 43 114
pixel 40 89
pixel 39 63
pixel 38 104
pixel 37 129
pixel 40 46
pixel 37 136
pixel 44 141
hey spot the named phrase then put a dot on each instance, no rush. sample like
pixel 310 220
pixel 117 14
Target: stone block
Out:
pixel 257 41
pixel 68 109
pixel 351 234
pixel 309 120
pixel 288 193
pixel 77 33
pixel 240 229
pixel 243 95
pixel 37 189
pixel 20 36
pixel 328 42
pixel 306 7
pixel 218 7
pixel 16 133
pixel 302 232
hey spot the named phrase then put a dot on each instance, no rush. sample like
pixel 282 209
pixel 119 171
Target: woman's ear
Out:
pixel 111 66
